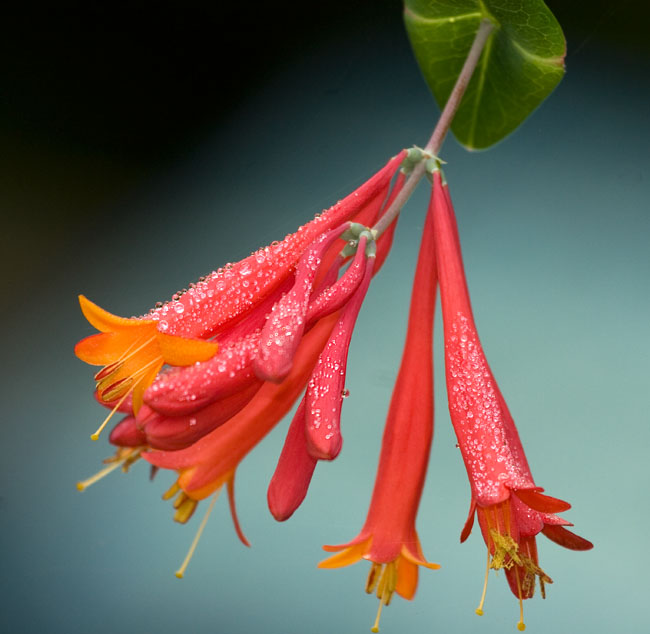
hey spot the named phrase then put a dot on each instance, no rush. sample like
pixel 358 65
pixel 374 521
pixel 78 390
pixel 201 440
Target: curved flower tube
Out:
pixel 388 538
pixel 326 388
pixel 210 462
pixel 285 325
pixel 510 507
pixel 133 351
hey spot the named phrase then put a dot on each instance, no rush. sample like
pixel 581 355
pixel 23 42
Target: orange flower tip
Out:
pixel 132 352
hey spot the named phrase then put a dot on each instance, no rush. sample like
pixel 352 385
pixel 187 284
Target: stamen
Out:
pixel 127 354
pixel 387 574
pixel 391 581
pixel 141 371
pixel 95 436
pixel 506 513
pixel 375 627
pixel 479 609
pixel 381 586
pixel 171 492
pixel 180 498
pixel 114 464
pixel 181 571
pixel 114 367
pixel 521 626
pixel 506 552
pixel 373 577
pixel 107 370
pixel 185 510
pixel 115 390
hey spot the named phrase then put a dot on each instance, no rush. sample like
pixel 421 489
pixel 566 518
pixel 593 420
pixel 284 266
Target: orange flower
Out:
pixel 132 352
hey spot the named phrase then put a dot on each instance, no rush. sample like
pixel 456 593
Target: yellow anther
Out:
pixel 171 492
pixel 373 577
pixel 505 551
pixel 180 498
pixel 185 510
pixel 115 390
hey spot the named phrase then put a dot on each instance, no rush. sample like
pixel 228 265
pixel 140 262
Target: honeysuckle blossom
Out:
pixel 133 351
pixel 202 417
pixel 208 464
pixel 510 507
pixel 297 461
pixel 326 388
pixel 248 341
pixel 388 538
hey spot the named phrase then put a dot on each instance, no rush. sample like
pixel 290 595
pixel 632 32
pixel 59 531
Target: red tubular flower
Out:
pixel 296 465
pixel 292 476
pixel 295 468
pixel 388 538
pixel 177 432
pixel 201 420
pixel 133 351
pixel 326 388
pixel 206 464
pixel 511 509
pixel 283 329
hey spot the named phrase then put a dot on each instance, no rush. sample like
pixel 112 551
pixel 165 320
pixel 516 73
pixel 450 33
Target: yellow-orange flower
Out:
pixel 132 352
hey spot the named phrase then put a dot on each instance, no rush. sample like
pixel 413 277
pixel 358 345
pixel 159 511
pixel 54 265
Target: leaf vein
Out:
pixel 451 19
pixel 548 61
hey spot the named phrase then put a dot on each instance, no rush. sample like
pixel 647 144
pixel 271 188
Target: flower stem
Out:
pixel 442 127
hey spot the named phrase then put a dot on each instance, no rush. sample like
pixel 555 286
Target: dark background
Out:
pixel 97 99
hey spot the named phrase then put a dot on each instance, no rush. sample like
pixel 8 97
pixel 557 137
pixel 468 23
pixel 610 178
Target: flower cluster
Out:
pixel 248 341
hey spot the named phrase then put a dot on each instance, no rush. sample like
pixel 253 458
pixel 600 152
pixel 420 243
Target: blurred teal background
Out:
pixel 128 192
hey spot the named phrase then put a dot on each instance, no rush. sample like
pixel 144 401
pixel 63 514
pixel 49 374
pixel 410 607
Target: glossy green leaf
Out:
pixel 522 62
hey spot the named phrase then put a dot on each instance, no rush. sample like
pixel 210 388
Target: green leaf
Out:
pixel 522 62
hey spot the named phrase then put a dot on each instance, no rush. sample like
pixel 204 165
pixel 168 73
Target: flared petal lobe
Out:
pixel 132 352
